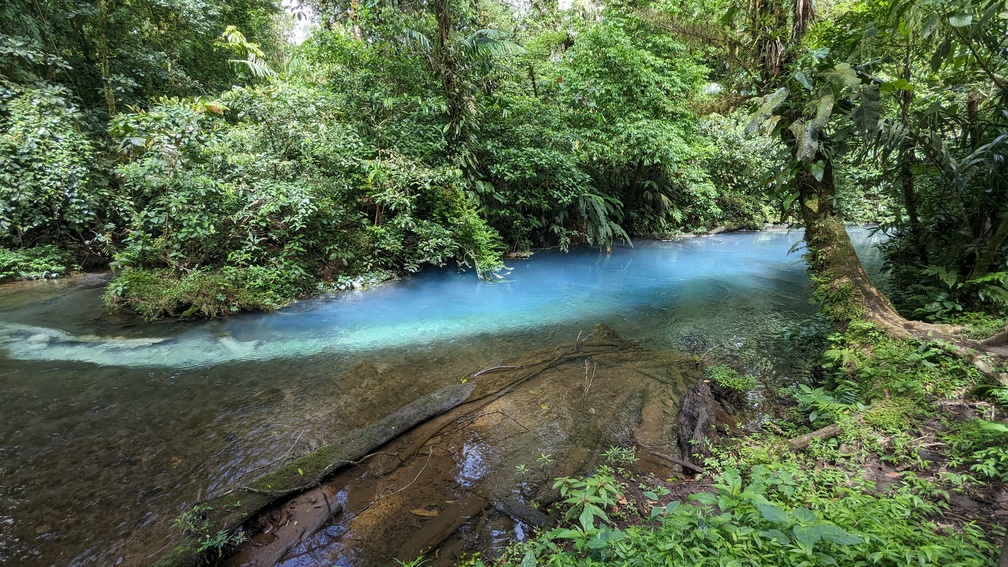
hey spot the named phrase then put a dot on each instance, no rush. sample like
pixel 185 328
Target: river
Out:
pixel 110 427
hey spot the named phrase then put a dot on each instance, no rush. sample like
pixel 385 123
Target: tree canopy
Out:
pixel 196 142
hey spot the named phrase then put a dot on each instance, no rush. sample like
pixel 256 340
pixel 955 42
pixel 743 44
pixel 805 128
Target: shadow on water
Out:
pixel 109 427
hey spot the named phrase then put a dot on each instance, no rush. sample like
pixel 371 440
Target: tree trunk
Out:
pixel 447 69
pixel 990 252
pixel 103 14
pixel 845 292
pixel 907 159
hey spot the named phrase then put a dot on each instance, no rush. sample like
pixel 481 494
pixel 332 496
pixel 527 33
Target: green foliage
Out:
pixel 156 293
pixel 772 515
pixel 738 165
pixel 588 498
pixel 112 54
pixel 730 380
pixel 943 85
pixel 871 363
pixel 620 456
pixel 194 522
pixel 247 202
pixel 50 190
pixel 37 263
pixel 981 446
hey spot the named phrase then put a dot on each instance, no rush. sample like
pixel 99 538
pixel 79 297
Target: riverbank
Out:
pixel 906 468
pixel 833 478
pixel 209 293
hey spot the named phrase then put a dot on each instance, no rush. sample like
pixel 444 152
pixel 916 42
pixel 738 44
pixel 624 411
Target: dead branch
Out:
pixel 803 441
pixel 684 464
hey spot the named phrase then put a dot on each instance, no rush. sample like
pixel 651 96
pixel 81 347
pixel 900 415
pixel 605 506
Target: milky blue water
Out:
pixel 109 426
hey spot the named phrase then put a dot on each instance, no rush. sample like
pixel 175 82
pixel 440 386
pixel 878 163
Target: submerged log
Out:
pixel 522 512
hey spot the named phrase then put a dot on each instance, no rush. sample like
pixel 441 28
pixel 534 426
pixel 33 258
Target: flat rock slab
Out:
pixel 478 475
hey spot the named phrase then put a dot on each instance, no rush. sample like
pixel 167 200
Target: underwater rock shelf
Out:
pixel 464 469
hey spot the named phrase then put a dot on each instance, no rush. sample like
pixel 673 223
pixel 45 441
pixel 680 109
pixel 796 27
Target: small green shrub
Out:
pixel 154 294
pixel 38 263
pixel 982 446
pixel 730 380
pixel 773 515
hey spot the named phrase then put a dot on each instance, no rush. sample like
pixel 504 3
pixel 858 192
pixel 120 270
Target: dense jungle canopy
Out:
pixel 226 156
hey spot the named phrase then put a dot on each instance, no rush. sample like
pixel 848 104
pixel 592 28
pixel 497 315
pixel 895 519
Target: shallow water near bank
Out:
pixel 110 427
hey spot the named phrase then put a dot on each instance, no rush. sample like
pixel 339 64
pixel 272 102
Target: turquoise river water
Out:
pixel 110 427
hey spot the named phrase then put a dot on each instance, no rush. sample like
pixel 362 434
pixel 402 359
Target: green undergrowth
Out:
pixel 781 513
pixel 762 503
pixel 203 293
pixel 37 263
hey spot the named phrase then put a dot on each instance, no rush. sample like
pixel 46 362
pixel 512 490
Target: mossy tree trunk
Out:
pixel 844 290
pixel 846 293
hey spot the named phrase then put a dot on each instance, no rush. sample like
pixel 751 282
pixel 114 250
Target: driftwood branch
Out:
pixel 684 464
pixel 803 441
pixel 494 369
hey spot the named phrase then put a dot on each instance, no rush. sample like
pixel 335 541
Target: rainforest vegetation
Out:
pixel 229 156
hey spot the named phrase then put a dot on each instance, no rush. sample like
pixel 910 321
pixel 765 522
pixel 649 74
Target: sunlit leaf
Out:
pixel 962 19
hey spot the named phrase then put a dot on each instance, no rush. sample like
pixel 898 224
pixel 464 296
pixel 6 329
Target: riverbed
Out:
pixel 110 427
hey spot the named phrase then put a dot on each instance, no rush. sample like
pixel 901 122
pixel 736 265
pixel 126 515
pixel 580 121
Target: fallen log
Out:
pixel 803 441
pixel 684 464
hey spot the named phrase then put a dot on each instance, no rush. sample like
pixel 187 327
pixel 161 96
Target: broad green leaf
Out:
pixel 802 80
pixel 817 169
pixel 778 535
pixel 995 427
pixel 806 535
pixel 843 75
pixel 703 498
pixel 769 104
pixel 789 200
pixel 941 54
pixel 813 205
pixel 929 27
pixel 824 108
pixel 962 19
pixel 529 560
pixel 900 85
pixel 803 515
pixel 567 534
pixel 837 535
pixel 772 513
pixel 806 140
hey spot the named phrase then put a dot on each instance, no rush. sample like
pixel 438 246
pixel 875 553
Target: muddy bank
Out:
pixel 475 476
